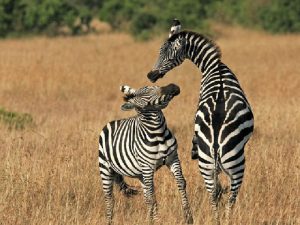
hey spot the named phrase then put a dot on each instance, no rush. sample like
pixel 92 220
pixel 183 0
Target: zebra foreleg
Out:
pixel 148 188
pixel 124 187
pixel 175 168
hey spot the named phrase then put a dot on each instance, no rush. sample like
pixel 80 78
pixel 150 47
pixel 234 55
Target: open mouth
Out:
pixel 154 75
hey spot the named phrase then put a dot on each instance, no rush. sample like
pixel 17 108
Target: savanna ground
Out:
pixel 49 171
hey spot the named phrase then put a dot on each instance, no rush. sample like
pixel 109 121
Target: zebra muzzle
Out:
pixel 171 89
pixel 154 75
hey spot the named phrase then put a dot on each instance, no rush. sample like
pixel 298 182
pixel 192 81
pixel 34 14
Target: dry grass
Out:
pixel 49 173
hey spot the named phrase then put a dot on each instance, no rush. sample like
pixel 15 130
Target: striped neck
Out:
pixel 203 52
pixel 153 116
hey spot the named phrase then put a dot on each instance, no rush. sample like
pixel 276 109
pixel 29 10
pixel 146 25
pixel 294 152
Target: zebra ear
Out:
pixel 127 106
pixel 175 28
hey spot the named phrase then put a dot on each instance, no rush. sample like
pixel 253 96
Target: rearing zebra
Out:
pixel 138 146
pixel 224 120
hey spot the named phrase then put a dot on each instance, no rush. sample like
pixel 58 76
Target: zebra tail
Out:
pixel 217 169
pixel 225 189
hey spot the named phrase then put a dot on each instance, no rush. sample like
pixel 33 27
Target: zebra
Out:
pixel 223 121
pixel 138 146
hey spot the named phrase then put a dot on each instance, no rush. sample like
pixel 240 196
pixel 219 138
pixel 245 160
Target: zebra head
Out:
pixel 172 53
pixel 149 97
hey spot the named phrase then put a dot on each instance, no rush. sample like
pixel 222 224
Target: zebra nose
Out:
pixel 171 89
pixel 154 75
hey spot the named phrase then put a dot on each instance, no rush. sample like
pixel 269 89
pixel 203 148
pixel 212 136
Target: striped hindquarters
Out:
pixel 223 125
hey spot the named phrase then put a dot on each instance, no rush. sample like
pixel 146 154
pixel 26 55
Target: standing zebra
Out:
pixel 223 121
pixel 138 146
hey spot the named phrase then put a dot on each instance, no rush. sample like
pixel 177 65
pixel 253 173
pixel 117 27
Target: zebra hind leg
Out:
pixel 236 178
pixel 127 190
pixel 107 183
pixel 181 184
pixel 215 197
pixel 194 154
pixel 230 204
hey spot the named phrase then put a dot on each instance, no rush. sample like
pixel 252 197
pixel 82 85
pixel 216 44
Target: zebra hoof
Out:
pixel 190 220
pixel 129 192
pixel 225 190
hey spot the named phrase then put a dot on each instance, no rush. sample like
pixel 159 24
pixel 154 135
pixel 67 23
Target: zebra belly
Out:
pixel 124 162
pixel 159 155
pixel 117 157
pixel 127 152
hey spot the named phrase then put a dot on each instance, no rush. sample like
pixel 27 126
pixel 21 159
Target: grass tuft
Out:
pixel 15 120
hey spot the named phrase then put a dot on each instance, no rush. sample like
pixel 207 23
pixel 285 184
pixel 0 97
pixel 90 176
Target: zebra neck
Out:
pixel 203 52
pixel 155 118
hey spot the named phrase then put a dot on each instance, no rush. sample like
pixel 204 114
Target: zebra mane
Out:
pixel 211 42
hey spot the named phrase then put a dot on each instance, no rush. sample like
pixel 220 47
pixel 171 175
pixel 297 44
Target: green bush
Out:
pixel 46 16
pixel 6 16
pixel 276 16
pixel 281 16
pixel 143 18
pixel 117 13
pixel 15 120
pixel 142 24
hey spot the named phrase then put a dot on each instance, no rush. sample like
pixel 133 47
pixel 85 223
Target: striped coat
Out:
pixel 224 120
pixel 136 147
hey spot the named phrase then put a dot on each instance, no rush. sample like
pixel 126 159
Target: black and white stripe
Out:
pixel 137 146
pixel 223 121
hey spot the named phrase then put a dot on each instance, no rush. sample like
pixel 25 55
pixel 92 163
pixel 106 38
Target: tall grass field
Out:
pixel 70 87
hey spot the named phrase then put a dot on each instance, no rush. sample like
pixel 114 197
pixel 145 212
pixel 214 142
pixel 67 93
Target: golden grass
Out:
pixel 49 173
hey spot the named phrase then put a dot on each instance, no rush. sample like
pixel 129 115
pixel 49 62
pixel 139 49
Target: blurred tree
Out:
pixel 276 16
pixel 144 18
pixel 142 24
pixel 46 16
pixel 281 16
pixel 6 13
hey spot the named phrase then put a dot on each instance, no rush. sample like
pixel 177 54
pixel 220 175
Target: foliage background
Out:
pixel 57 93
pixel 144 19
pixel 70 85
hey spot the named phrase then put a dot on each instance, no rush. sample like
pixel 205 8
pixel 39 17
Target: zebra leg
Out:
pixel 124 187
pixel 148 187
pixel 107 183
pixel 175 168
pixel 234 189
pixel 230 204
pixel 216 196
pixel 194 154
pixel 235 171
pixel 213 186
